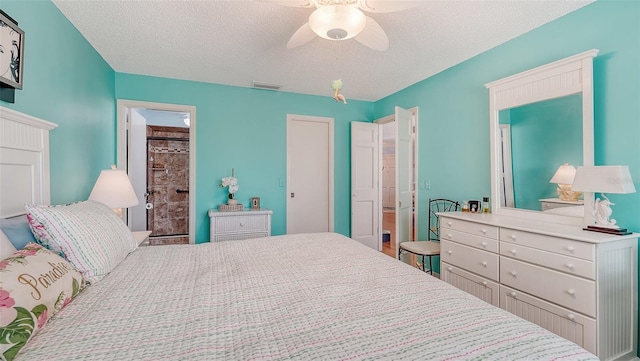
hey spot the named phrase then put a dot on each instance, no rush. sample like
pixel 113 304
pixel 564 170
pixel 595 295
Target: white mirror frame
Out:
pixel 564 77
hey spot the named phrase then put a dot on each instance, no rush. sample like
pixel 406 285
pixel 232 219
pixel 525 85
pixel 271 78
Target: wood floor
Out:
pixel 389 248
pixel 389 223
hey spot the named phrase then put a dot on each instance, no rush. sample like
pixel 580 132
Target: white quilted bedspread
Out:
pixel 304 297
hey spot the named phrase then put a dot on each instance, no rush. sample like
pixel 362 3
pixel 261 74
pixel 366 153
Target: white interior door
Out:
pixel 365 184
pixel 309 174
pixel 137 168
pixel 389 180
pixel 404 176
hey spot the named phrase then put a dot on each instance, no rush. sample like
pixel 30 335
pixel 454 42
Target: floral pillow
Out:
pixel 35 284
pixel 89 234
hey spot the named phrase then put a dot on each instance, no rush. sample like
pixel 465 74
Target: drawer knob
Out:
pixel 570 249
pixel 484 264
pixel 241 224
pixel 484 283
pixel 570 266
pixel 450 235
pixel 513 237
pixel 571 316
pixel 513 294
pixel 513 273
pixel 449 224
pixel 450 252
pixel 571 292
pixel 484 231
pixel 484 244
pixel 449 269
pixel 513 251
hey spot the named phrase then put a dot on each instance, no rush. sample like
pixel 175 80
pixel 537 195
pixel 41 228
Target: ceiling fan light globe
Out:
pixel 337 22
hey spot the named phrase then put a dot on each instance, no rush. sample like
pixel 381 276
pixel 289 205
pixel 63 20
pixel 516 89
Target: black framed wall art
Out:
pixel 11 52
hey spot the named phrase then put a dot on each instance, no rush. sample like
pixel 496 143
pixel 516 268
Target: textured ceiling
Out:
pixel 238 42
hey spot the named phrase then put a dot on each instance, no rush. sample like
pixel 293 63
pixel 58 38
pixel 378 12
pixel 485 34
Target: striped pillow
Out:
pixel 89 234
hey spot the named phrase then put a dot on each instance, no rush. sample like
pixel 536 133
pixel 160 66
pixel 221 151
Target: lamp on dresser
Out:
pixel 114 189
pixel 604 179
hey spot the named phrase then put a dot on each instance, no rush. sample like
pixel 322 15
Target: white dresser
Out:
pixel 236 225
pixel 578 284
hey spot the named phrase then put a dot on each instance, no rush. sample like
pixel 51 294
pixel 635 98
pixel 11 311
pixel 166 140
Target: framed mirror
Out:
pixel 541 119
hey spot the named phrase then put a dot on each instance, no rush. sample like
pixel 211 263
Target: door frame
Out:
pixel 122 140
pixel 308 118
pixel 506 171
pixel 416 218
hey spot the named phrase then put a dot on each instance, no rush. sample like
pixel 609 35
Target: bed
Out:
pixel 306 296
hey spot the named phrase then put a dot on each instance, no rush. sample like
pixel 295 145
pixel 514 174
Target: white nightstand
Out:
pixel 142 237
pixel 551 203
pixel 237 225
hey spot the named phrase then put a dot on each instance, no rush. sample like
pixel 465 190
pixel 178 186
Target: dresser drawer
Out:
pixel 558 245
pixel 559 320
pixel 474 260
pixel 470 240
pixel 255 223
pixel 482 288
pixel 562 263
pixel 478 229
pixel 565 290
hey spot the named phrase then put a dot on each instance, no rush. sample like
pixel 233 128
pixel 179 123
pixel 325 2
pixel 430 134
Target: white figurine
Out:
pixel 602 211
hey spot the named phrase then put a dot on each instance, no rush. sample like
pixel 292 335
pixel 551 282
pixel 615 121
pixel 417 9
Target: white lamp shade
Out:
pixel 604 179
pixel 564 175
pixel 114 189
pixel 337 22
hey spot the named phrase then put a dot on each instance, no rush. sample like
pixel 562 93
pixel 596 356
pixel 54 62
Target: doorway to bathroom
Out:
pixel 158 156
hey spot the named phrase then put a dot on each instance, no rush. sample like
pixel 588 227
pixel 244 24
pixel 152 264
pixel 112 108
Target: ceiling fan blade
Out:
pixel 301 36
pixel 387 6
pixel 373 36
pixel 291 3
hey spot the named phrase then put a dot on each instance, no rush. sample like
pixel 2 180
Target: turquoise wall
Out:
pixel 68 83
pixel 454 104
pixel 544 136
pixel 245 129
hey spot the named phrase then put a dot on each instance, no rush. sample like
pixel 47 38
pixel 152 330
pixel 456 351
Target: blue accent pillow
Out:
pixel 17 230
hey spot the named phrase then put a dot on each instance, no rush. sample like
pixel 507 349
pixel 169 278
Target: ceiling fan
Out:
pixel 344 19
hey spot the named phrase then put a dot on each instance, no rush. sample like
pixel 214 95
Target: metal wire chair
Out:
pixel 430 247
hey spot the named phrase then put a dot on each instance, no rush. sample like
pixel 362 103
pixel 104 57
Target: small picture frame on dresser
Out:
pixel 474 206
pixel 255 203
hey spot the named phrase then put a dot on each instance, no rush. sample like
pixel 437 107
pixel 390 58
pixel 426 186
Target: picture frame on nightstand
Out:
pixel 255 203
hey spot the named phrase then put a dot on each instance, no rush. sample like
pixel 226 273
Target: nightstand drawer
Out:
pixel 565 290
pixel 228 226
pixel 470 240
pixel 479 262
pixel 238 236
pixel 478 229
pixel 242 224
pixel 552 244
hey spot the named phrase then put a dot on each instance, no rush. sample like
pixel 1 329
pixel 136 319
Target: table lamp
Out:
pixel 604 179
pixel 564 179
pixel 114 189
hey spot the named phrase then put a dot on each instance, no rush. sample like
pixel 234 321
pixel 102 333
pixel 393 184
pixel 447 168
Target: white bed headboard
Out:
pixel 24 161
